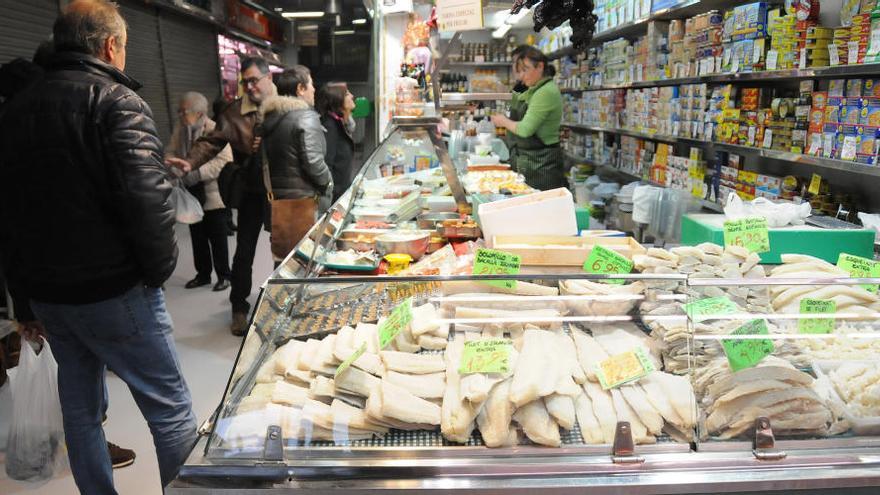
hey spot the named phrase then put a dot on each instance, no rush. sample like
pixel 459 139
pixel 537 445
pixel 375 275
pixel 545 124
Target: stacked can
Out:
pixel 859 39
pixel 783 38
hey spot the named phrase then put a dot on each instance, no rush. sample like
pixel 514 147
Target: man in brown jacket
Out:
pixel 235 127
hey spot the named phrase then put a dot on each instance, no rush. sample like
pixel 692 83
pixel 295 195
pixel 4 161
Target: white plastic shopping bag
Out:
pixel 35 451
pixel 187 208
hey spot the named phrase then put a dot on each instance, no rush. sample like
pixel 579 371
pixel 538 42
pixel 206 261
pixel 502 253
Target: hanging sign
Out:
pixel 459 15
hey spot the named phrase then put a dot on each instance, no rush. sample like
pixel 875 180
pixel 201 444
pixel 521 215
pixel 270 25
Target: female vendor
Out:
pixel 533 126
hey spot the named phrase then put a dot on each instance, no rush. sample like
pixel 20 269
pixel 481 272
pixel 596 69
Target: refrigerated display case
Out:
pixel 732 378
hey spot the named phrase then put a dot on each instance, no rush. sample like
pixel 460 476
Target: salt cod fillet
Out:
pixel 401 405
pixel 589 353
pixel 603 410
pixel 537 424
pixel 637 399
pixel 661 401
pixel 536 373
pixel 626 413
pixel 430 386
pixel 352 417
pixel 457 414
pixel 356 382
pixel 416 364
pixel 561 408
pixel 495 416
pixel 589 425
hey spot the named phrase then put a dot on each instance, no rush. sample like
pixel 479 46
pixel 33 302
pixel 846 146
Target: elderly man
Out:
pixel 209 243
pixel 235 127
pixel 87 232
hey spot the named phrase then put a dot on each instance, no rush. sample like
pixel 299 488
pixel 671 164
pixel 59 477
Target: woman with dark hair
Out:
pixel 335 103
pixel 533 125
pixel 296 176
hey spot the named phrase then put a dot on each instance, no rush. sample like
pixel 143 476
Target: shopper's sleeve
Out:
pixel 314 147
pixel 141 188
pixel 211 143
pixel 541 105
pixel 211 170
pixel 332 137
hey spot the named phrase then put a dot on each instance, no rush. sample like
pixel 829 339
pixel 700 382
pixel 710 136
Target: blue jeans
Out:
pixel 131 334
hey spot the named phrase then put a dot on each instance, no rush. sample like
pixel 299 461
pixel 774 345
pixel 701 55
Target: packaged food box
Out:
pixel 850 113
pixel 854 88
pixel 836 87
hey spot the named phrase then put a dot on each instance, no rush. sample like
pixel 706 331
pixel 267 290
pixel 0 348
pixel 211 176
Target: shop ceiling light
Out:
pixel 308 27
pixel 359 21
pixel 296 15
pixel 341 33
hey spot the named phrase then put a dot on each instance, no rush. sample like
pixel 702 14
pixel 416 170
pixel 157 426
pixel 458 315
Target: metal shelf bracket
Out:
pixel 624 450
pixel 765 442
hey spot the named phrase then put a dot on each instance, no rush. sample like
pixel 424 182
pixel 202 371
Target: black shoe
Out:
pixel 239 324
pixel 119 456
pixel 221 285
pixel 198 282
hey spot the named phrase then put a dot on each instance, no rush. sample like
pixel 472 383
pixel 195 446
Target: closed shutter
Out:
pixel 192 62
pixel 144 61
pixel 24 24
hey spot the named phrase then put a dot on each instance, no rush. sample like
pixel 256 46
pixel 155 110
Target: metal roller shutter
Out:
pixel 144 61
pixel 24 24
pixel 191 59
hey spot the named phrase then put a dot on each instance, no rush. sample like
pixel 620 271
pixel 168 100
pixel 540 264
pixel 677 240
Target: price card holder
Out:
pixel 815 183
pixel 354 357
pixel 748 352
pixel 624 368
pixel 833 55
pixel 494 262
pixel 605 261
pixel 400 317
pixel 734 66
pixel 751 233
pixel 710 308
pixel 486 356
pixel 859 267
pixel 803 59
pixel 852 52
pixel 752 133
pixel 772 59
pixel 817 325
pixel 768 139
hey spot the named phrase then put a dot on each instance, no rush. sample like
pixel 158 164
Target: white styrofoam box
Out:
pixel 542 213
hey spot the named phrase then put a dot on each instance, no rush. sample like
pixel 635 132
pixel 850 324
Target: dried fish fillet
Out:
pixel 537 424
pixel 561 408
pixel 495 417
pixel 429 386
pixel 405 362
pixel 401 405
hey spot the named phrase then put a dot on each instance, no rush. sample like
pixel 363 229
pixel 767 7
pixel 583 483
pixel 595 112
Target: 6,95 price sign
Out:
pixel 751 233
pixel 605 261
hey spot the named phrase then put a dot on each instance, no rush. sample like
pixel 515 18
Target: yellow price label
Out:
pixel 624 368
pixel 815 183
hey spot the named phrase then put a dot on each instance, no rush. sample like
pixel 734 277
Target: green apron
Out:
pixel 541 164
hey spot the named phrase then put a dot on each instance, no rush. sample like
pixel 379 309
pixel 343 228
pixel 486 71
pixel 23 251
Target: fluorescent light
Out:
pixel 359 21
pixel 295 15
pixel 501 31
pixel 279 9
pixel 308 27
pixel 341 33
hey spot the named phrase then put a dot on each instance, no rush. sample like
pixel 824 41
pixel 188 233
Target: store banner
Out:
pixel 252 21
pixel 459 15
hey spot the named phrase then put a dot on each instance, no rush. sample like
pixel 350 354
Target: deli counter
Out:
pixel 701 371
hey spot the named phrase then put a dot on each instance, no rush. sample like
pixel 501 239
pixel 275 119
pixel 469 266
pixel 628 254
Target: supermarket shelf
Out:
pixel 462 97
pixel 815 161
pixel 477 65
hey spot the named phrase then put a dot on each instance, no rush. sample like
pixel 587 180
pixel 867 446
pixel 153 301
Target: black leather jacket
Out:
pixel 84 210
pixel 295 147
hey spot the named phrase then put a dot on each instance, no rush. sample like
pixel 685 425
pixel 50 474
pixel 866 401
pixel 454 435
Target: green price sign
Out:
pixel 354 357
pixel 486 356
pixel 859 267
pixel 710 308
pixel 494 262
pixel 605 261
pixel 751 233
pixel 746 353
pixel 399 318
pixel 817 325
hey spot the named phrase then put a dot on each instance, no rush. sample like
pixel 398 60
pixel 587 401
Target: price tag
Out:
pixel 624 368
pixel 710 308
pixel 734 66
pixel 486 356
pixel 751 233
pixel 494 262
pixel 757 52
pixel 605 261
pixel 768 138
pixel 852 56
pixel 746 353
pixel 833 55
pixel 803 60
pixel 752 132
pixel 772 59
pixel 827 144
pixel 399 318
pixel 815 144
pixel 814 184
pixel 354 357
pixel 817 325
pixel 859 267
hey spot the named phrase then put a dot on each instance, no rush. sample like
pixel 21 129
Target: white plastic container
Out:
pixel 542 213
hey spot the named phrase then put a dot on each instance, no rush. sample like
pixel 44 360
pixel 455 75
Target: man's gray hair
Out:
pixel 85 25
pixel 197 102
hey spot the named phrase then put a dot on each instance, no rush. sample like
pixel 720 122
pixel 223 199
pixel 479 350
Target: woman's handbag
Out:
pixel 290 219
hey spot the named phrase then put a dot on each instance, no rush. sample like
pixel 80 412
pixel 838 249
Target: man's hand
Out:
pixel 500 120
pixel 179 163
pixel 31 330
pixel 256 145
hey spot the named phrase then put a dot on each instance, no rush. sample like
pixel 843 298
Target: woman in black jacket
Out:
pixel 335 103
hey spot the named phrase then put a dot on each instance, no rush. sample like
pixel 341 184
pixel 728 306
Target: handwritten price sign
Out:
pixel 605 261
pixel 486 356
pixel 817 325
pixel 494 262
pixel 710 308
pixel 399 318
pixel 746 353
pixel 751 233
pixel 354 357
pixel 624 368
pixel 859 267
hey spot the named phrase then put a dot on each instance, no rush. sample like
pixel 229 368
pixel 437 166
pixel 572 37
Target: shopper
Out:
pixel 87 231
pixel 209 243
pixel 533 125
pixel 335 103
pixel 293 150
pixel 235 127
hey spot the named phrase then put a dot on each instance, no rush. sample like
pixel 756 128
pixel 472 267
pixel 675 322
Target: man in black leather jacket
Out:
pixel 86 229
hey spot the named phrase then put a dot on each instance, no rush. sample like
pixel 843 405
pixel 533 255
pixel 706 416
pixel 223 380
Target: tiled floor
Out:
pixel 206 349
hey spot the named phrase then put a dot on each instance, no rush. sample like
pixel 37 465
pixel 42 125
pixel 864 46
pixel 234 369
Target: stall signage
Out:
pixel 710 308
pixel 250 20
pixel 817 325
pixel 459 15
pixel 751 233
pixel 354 357
pixel 494 262
pixel 859 267
pixel 747 352
pixel 605 261
pixel 624 368
pixel 486 356
pixel 400 317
